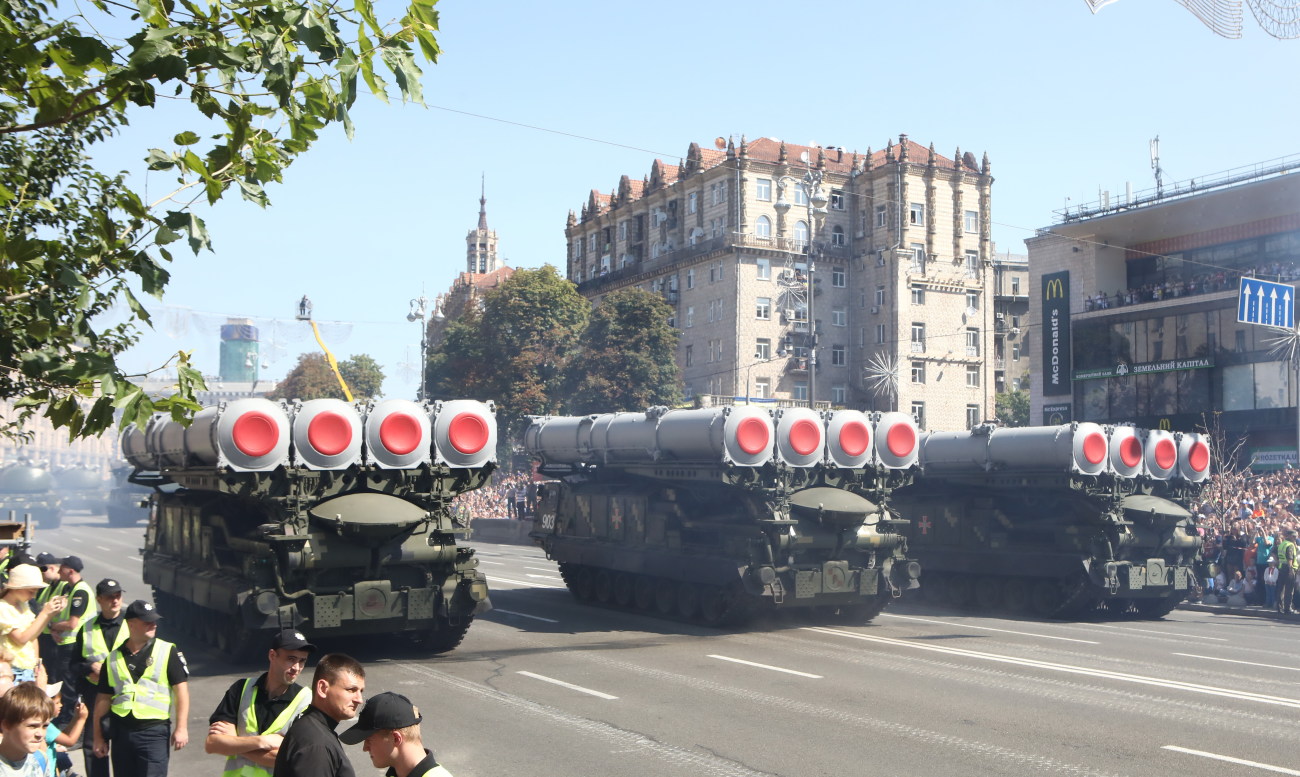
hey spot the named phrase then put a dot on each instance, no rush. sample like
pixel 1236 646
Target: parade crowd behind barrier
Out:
pixel 511 495
pixel 1201 283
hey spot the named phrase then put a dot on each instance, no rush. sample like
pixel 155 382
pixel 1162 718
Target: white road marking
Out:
pixel 525 582
pixel 524 615
pixel 989 628
pixel 542 569
pixel 1209 690
pixel 1231 760
pixel 546 577
pixel 1161 633
pixel 765 666
pixel 135 558
pixel 570 686
pixel 486 561
pixel 1234 661
pixel 105 548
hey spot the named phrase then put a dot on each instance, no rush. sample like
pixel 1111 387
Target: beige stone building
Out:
pixel 484 271
pixel 900 278
pixel 1012 360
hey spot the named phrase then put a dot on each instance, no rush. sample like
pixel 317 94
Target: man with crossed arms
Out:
pixel 249 724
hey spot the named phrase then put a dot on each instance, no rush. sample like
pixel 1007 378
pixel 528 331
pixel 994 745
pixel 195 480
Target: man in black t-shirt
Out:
pixel 100 636
pixel 249 724
pixel 311 748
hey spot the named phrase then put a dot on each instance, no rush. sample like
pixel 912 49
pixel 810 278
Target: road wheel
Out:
pixel 622 589
pixel 1117 606
pixel 665 597
pixel 1153 609
pixel 960 590
pixel 1045 598
pixel 714 603
pixel 988 594
pixel 1015 595
pixel 643 592
pixel 604 590
pixel 688 600
pixel 584 581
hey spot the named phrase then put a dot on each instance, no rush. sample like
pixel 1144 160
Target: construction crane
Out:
pixel 304 314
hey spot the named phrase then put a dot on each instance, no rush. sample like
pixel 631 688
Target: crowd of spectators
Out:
pixel 1201 283
pixel 1243 518
pixel 510 495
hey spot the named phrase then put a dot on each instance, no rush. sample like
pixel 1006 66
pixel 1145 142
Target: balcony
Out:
pixel 798 364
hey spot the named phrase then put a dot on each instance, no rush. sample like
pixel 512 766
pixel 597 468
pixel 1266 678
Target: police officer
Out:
pixel 1288 561
pixel 67 624
pixel 101 635
pixel 50 565
pixel 389 724
pixel 249 724
pixel 141 684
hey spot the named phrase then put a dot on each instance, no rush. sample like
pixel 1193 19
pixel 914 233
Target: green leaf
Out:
pixel 186 138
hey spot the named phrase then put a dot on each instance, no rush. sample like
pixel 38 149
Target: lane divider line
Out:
pixel 765 666
pixel 1234 661
pixel 1209 690
pixel 987 628
pixel 1161 633
pixel 525 583
pixel 570 686
pixel 1231 760
pixel 523 615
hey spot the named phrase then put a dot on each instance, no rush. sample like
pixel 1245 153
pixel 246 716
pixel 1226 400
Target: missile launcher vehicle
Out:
pixel 1057 520
pixel 719 514
pixel 127 502
pixel 81 488
pixel 318 515
pixel 30 490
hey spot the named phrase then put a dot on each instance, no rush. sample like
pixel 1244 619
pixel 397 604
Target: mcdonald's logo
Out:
pixel 1165 425
pixel 1054 289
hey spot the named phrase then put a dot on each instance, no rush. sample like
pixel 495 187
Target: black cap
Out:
pixel 74 562
pixel 291 639
pixel 142 610
pixel 384 712
pixel 107 587
pixel 47 560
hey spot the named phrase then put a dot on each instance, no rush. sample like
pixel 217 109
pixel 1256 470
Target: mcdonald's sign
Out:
pixel 1056 334
pixel 1166 425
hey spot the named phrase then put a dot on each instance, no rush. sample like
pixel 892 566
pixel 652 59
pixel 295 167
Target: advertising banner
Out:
pixel 1056 334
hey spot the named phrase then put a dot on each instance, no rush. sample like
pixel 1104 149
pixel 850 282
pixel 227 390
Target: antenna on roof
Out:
pixel 1155 165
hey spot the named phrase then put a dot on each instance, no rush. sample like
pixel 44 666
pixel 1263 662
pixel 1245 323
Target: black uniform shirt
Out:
pixel 80 667
pixel 265 709
pixel 177 673
pixel 311 748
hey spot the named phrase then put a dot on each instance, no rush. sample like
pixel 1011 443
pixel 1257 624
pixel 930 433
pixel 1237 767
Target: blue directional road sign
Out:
pixel 1262 302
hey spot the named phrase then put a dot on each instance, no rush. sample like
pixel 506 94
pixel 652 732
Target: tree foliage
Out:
pixel 263 79
pixel 627 356
pixel 516 350
pixel 312 378
pixel 1012 407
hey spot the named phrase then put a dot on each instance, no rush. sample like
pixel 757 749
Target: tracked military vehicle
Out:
pixel 316 515
pixel 81 488
pixel 1058 520
pixel 128 503
pixel 30 490
pixel 723 513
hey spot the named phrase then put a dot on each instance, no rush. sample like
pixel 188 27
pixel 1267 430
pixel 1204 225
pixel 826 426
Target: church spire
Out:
pixel 482 203
pixel 481 242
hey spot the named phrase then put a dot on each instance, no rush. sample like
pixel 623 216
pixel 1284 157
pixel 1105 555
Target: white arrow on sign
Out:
pixel 1272 305
pixel 1260 305
pixel 1286 307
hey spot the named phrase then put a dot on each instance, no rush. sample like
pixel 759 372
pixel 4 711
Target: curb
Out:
pixel 1257 612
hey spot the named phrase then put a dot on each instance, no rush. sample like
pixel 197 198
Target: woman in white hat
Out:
pixel 18 624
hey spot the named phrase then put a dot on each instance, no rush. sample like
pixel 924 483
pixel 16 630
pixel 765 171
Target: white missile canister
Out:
pixel 464 433
pixel 1079 448
pixel 398 434
pixel 560 439
pixel 849 439
pixel 1193 457
pixel 166 438
pixel 624 437
pixel 252 435
pixel 326 434
pixel 135 448
pixel 896 440
pixel 800 436
pixel 1160 454
pixel 1126 451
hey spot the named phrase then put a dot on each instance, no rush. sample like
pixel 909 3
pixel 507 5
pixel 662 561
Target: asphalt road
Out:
pixel 546 686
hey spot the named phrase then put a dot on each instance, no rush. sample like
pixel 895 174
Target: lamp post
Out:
pixel 419 308
pixel 816 200
pixel 780 354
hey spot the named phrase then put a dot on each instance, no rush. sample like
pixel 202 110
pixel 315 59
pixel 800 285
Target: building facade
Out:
pixel 1012 361
pixel 801 273
pixel 484 271
pixel 1136 308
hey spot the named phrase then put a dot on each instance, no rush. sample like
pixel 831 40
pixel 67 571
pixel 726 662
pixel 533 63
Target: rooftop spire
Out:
pixel 482 203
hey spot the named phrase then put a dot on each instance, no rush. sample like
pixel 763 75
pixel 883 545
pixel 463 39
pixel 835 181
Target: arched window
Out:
pixel 763 227
pixel 801 233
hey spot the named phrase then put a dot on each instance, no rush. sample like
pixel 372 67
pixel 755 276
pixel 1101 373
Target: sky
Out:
pixel 547 101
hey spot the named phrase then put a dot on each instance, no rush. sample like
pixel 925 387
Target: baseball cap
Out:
pixel 142 610
pixel 384 712
pixel 291 639
pixel 74 562
pixel 47 560
pixel 107 587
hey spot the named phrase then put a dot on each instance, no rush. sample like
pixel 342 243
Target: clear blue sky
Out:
pixel 1063 101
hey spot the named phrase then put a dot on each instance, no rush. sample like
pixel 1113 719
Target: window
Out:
pixel 972 342
pixel 839 278
pixel 764 269
pixel 972 300
pixel 763 227
pixel 1015 352
pixel 973 375
pixel 837 235
pixel 839 317
pixel 916 214
pixel 622 230
pixel 763 309
pixel 693 202
pixel 801 233
pixel 918 295
pixel 800 393
pixel 1015 287
pixel 880 333
pixel 972 416
pixel 918 414
pixel 591 242
pixel 918 256
pixel 839 395
pixel 763 189
pixel 763 348
pixel 839 356
pixel 1015 322
pixel 800 196
pixel 881 215
pixel 690 355
pixel 690 316
pixel 880 295
pixel 762 388
pixel 690 278
pixel 918 337
pixel 837 199
pixel 718 226
pixel 972 264
pixel 577 248
pixel 918 372
pixel 971 222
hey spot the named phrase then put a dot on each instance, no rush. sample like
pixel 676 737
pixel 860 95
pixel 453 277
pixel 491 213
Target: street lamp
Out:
pixel 419 308
pixel 816 200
